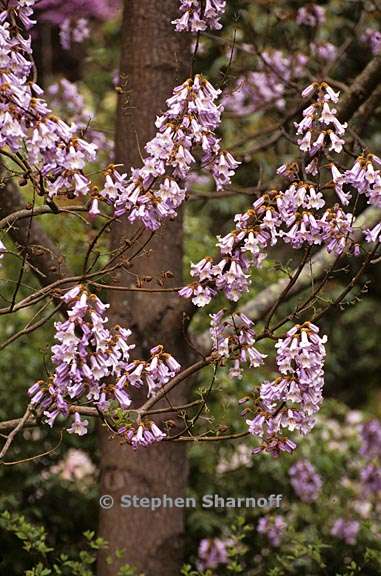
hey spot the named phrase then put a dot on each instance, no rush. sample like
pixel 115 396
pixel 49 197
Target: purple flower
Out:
pixel 56 11
pixel 52 147
pixel 311 15
pixel 155 191
pixel 212 552
pixel 346 530
pixel 196 17
pixel 273 528
pixel 371 439
pixel 372 37
pixel 142 435
pixel 292 399
pixel 93 361
pixel 305 480
pixel 371 479
pixel 78 426
pixel 320 127
pixel 235 339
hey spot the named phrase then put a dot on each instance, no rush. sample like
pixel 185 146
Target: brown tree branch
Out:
pixel 31 240
pixel 360 89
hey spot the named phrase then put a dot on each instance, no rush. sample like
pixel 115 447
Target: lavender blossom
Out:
pixel 235 339
pixel 267 84
pixel 372 38
pixel 305 480
pixel 155 191
pixel 273 528
pixel 371 439
pixel 212 553
pixel 242 249
pixel 346 530
pixel 53 150
pixel 371 479
pixel 93 362
pixel 73 31
pixel 320 128
pixel 311 15
pixel 196 17
pixel 292 399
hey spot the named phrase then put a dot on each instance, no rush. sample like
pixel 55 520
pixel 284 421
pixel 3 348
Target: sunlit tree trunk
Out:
pixel 154 59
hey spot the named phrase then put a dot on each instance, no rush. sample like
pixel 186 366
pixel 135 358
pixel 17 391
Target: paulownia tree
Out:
pixel 131 364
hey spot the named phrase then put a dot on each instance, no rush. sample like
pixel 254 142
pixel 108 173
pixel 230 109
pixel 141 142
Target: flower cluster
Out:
pixel 241 249
pixel 197 18
pixel 155 191
pixel 273 528
pixel 364 177
pixel 292 399
pixel 371 451
pixel 371 439
pixel 290 215
pixel 305 480
pixel 143 434
pixel 53 154
pixel 74 31
pixel 235 338
pixel 298 208
pixel 346 530
pixel 320 128
pixel 372 38
pixel 267 84
pixel 93 362
pixel 371 479
pixel 212 553
pixel 311 15
pixel 56 11
pixel 324 51
pixel 66 97
pixel 75 466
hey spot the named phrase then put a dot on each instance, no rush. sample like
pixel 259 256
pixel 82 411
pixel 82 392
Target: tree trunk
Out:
pixel 154 60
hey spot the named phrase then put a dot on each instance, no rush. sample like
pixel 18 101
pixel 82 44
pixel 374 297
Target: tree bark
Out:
pixel 154 60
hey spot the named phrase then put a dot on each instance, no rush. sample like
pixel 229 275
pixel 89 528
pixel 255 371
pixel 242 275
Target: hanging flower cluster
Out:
pixel 53 154
pixel 371 439
pixel 364 177
pixel 241 249
pixel 290 216
pixel 298 215
pixel 141 435
pixel 305 480
pixel 93 362
pixel 235 339
pixel 155 191
pixel 320 127
pixel 74 32
pixel 292 399
pixel 197 17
